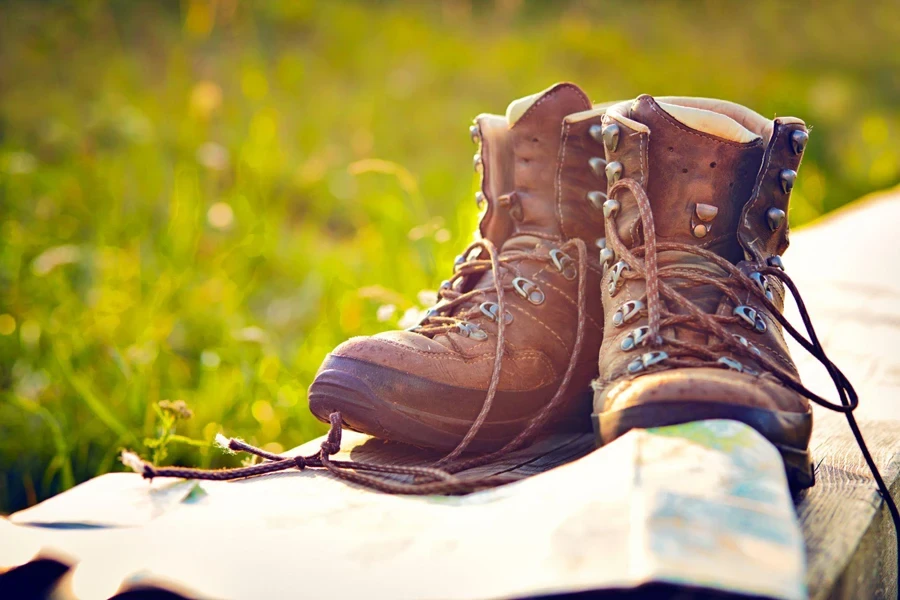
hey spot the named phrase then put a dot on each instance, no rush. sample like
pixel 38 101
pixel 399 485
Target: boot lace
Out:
pixel 440 477
pixel 643 264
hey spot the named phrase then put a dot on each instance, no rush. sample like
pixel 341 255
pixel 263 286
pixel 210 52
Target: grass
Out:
pixel 198 200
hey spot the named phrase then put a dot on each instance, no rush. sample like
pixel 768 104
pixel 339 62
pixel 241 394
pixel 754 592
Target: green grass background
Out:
pixel 199 199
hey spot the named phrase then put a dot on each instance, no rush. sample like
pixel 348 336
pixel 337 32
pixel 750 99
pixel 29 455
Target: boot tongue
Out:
pixel 702 169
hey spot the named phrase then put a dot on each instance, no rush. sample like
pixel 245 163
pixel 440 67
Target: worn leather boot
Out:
pixel 510 348
pixel 693 292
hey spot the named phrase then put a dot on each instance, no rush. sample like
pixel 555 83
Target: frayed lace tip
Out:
pixel 223 442
pixel 132 461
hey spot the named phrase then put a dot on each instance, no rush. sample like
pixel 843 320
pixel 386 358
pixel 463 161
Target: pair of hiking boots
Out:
pixel 627 267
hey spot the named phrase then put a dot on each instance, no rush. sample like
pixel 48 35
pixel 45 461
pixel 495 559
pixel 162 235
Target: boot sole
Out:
pixel 788 431
pixel 365 394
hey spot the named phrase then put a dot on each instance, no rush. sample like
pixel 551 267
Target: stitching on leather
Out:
pixel 675 123
pixel 550 370
pixel 571 301
pixel 539 234
pixel 559 169
pixel 641 156
pixel 751 205
pixel 777 354
pixel 443 355
pixel 643 150
pixel 550 95
pixel 541 323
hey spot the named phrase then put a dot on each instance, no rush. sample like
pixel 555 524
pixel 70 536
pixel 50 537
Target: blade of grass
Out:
pixel 91 400
pixel 67 479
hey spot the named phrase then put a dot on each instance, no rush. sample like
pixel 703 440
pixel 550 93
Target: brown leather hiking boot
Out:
pixel 696 220
pixel 528 286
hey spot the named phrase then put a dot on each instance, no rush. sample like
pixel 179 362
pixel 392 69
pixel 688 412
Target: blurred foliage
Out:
pixel 199 199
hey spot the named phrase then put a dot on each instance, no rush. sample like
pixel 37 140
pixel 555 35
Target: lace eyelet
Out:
pixel 528 290
pixel 475 134
pixel 743 342
pixel 627 312
pixel 490 310
pixel 763 284
pixel 616 272
pixel 735 365
pixel 634 339
pixel 646 360
pixel 471 330
pixel 751 319
pixel 606 254
pixel 564 264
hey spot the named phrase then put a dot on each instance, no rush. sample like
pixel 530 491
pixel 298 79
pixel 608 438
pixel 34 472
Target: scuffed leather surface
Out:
pixel 700 385
pixel 691 167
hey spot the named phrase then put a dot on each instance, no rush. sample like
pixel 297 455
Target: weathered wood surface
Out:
pixel 847 267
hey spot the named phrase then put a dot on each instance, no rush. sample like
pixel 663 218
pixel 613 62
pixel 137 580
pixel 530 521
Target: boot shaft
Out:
pixel 542 166
pixel 718 175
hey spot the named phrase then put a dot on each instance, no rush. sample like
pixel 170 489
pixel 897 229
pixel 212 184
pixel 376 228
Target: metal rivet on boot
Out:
pixel 528 290
pixel 775 217
pixel 798 141
pixel 479 199
pixel 611 207
pixel 750 318
pixel 730 363
pixel 606 257
pixel 597 165
pixel 564 264
pixel 763 284
pixel 477 164
pixel 596 198
pixel 471 330
pixel 596 132
pixel 490 310
pixel 614 172
pixel 475 134
pixel 700 230
pixel 615 275
pixel 743 342
pixel 627 312
pixel 611 137
pixel 635 338
pixel 706 212
pixel 646 360
pixel 787 177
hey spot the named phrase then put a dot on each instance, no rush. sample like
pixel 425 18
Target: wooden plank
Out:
pixel 848 532
pixel 846 267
